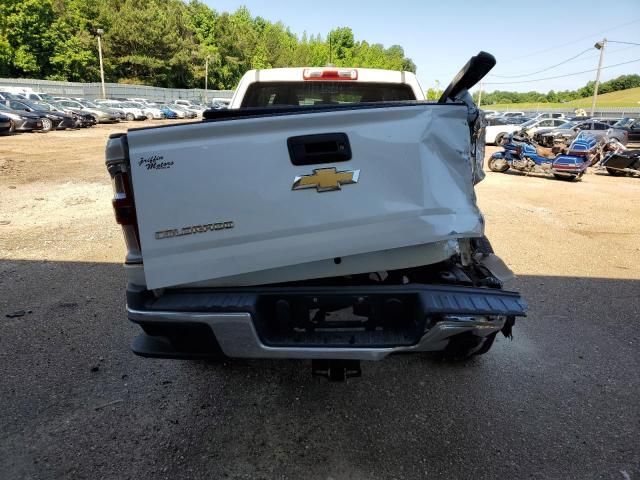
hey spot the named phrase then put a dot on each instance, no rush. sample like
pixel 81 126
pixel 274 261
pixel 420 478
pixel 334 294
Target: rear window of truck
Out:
pixel 274 94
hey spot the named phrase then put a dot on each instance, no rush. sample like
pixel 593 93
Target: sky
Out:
pixel 525 37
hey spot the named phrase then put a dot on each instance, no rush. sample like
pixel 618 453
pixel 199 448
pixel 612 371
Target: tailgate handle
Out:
pixel 320 148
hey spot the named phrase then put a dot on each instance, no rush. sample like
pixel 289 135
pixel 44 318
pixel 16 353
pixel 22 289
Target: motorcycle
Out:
pixel 618 160
pixel 523 154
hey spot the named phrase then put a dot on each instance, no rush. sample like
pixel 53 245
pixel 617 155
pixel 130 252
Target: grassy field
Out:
pixel 623 98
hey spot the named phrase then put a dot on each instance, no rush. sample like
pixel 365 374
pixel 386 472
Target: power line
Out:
pixel 544 69
pixel 626 43
pixel 561 76
pixel 571 42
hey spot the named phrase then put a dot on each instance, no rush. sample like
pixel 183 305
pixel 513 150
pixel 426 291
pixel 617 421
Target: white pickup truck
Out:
pixel 328 214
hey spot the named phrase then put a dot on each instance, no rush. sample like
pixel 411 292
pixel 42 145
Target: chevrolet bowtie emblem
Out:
pixel 326 179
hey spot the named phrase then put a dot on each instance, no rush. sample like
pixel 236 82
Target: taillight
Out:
pixel 329 74
pixel 123 205
pixel 124 208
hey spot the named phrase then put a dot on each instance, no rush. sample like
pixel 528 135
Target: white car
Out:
pixel 190 106
pixel 532 126
pixel 513 114
pixel 543 115
pixel 493 134
pixel 152 112
pixel 131 112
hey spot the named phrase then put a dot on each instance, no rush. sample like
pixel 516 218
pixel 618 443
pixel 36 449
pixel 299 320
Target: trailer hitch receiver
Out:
pixel 336 370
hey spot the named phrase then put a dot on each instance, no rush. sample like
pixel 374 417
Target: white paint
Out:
pixel 415 188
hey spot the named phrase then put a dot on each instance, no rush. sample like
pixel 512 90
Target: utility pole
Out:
pixel 330 64
pixel 480 95
pixel 599 46
pixel 99 34
pixel 206 79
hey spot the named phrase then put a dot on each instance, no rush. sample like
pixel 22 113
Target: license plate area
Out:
pixel 368 320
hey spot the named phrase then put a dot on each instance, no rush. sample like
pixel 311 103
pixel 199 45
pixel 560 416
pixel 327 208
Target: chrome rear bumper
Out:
pixel 237 337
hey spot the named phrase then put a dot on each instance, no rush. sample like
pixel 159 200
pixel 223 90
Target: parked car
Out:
pixel 513 114
pixel 168 112
pixel 4 95
pixel 631 126
pixel 609 121
pixel 150 111
pixel 176 111
pixel 50 120
pixel 119 113
pixel 188 113
pixel 220 103
pixel 539 136
pixel 189 104
pixel 37 96
pixel 5 124
pixel 565 134
pixel 99 114
pixel 131 112
pixel 507 121
pixel 21 121
pixel 532 126
pixel 81 119
pixel 138 100
pixel 500 127
pixel 543 115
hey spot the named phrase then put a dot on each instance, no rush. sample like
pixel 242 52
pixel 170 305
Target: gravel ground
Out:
pixel 560 401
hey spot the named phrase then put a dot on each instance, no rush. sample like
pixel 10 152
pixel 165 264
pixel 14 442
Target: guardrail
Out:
pixel 94 90
pixel 599 112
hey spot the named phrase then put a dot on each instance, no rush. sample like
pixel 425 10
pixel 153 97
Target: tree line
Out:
pixel 166 43
pixel 620 83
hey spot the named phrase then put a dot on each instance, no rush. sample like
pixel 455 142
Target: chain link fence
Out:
pixel 113 90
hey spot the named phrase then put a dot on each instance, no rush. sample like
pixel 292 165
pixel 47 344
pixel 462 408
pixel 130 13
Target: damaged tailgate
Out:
pixel 223 198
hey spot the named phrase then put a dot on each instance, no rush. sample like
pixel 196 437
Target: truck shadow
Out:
pixel 564 389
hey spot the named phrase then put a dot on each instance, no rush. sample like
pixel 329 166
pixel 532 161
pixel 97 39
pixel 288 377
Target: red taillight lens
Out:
pixel 329 74
pixel 124 209
pixel 123 205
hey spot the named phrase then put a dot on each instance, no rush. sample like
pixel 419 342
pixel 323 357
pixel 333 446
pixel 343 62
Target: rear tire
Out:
pixel 566 178
pixel 130 117
pixel 615 173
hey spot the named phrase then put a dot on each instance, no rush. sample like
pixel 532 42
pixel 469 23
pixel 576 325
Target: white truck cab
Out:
pixel 357 85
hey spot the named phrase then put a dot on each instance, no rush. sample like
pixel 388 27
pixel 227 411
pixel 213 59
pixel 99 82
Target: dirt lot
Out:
pixel 560 401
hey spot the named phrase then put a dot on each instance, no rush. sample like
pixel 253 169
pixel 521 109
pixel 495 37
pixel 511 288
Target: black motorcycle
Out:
pixel 620 161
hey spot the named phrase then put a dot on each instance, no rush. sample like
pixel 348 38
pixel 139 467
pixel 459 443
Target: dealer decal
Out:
pixel 154 162
pixel 179 232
